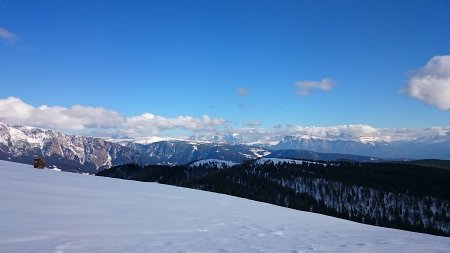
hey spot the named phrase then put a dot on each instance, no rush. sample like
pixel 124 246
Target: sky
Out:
pixel 156 68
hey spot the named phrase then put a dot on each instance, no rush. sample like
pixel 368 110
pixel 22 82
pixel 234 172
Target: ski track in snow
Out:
pixel 61 212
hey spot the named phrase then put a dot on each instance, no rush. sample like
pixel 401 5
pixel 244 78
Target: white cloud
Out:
pixel 15 111
pixel 251 123
pixel 148 123
pixel 98 121
pixel 354 132
pixel 304 87
pixel 431 83
pixel 340 132
pixel 241 91
pixel 8 36
pixel 336 132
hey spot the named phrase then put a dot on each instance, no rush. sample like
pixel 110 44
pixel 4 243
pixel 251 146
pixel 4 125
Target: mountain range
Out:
pixel 91 154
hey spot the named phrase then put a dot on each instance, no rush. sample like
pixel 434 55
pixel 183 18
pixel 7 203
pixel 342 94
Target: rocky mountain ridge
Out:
pixel 90 154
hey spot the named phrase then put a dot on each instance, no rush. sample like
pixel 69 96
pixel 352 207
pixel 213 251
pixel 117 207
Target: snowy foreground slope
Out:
pixel 51 211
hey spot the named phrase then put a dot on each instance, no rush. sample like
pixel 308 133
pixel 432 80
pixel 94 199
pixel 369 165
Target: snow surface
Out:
pixel 257 152
pixel 48 211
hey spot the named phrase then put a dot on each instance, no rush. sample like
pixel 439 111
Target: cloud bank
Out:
pixel 431 83
pixel 342 132
pixel 304 88
pixel 8 36
pixel 102 122
pixel 355 132
pixel 146 123
pixel 15 111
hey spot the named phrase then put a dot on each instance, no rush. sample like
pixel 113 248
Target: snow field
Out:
pixel 51 211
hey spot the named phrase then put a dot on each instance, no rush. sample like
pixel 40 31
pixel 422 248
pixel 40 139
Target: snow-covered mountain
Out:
pixel 65 212
pixel 89 154
pixel 430 146
pixel 183 152
pixel 71 152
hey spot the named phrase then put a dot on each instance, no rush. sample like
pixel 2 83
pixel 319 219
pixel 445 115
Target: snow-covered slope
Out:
pixel 49 211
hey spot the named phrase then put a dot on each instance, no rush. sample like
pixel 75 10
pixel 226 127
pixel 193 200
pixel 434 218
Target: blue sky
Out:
pixel 190 58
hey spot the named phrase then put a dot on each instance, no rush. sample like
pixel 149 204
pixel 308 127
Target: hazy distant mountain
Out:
pixel 316 156
pixel 437 147
pixel 434 146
